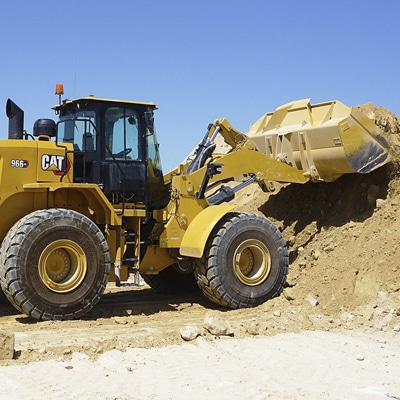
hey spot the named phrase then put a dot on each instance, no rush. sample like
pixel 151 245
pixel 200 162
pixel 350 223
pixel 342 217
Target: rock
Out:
pixel 7 342
pixel 277 313
pixel 312 300
pixel 253 328
pixel 190 332
pixel 217 326
pixel 380 203
pixel 316 254
pixel 330 247
pixel 120 320
pixel 288 294
pixel 302 264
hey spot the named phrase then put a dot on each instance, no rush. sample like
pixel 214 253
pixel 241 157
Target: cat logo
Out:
pixel 58 164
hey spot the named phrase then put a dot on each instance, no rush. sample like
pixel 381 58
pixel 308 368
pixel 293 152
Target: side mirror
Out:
pixel 149 121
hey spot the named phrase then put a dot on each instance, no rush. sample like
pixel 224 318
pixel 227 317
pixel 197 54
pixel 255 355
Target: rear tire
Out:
pixel 54 264
pixel 245 262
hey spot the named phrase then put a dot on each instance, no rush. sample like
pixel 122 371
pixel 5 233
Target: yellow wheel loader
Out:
pixel 84 201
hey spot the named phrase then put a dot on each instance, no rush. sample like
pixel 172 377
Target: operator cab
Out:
pixel 114 146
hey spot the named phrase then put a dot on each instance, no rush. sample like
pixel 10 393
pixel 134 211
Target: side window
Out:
pixel 80 131
pixel 122 134
pixel 154 155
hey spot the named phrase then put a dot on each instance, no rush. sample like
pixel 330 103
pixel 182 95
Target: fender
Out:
pixel 196 236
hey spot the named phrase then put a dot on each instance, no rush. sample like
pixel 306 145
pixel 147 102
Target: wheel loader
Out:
pixel 84 201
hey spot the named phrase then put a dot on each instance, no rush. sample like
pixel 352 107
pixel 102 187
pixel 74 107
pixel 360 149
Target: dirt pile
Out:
pixel 386 120
pixel 343 240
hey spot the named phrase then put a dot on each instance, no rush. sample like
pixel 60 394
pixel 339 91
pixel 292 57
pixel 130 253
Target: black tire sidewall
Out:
pixel 65 225
pixel 236 292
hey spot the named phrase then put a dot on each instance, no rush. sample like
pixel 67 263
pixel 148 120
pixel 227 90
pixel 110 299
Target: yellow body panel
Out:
pixel 199 230
pixel 249 161
pixel 83 197
pixel 23 162
pixel 155 260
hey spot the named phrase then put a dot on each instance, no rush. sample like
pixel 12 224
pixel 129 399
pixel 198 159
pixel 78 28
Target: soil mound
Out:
pixel 343 241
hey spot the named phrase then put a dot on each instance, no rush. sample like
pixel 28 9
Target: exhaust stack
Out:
pixel 15 120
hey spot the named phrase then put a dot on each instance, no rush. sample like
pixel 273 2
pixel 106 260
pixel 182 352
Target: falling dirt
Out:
pixel 343 241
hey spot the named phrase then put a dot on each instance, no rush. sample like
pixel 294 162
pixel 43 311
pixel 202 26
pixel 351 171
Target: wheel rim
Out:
pixel 62 266
pixel 252 262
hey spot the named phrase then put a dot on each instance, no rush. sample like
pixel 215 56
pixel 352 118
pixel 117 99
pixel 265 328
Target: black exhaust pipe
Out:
pixel 15 120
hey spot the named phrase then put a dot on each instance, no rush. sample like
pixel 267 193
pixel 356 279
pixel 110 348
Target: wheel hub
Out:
pixel 59 264
pixel 252 262
pixel 62 266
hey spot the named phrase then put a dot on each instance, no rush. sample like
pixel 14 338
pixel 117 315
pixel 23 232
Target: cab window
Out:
pixel 80 130
pixel 122 134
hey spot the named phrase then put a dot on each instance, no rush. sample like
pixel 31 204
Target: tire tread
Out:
pixel 208 272
pixel 9 270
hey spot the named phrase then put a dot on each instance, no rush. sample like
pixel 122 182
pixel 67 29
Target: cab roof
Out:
pixel 100 99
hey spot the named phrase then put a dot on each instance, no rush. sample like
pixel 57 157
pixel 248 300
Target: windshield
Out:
pixel 78 129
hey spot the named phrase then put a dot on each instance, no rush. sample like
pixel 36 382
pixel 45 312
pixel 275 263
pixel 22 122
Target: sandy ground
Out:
pixel 130 347
pixel 310 365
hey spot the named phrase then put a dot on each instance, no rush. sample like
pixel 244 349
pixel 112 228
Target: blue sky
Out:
pixel 199 60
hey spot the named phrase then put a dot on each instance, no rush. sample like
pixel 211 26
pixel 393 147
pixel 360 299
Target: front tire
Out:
pixel 3 299
pixel 54 264
pixel 245 262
